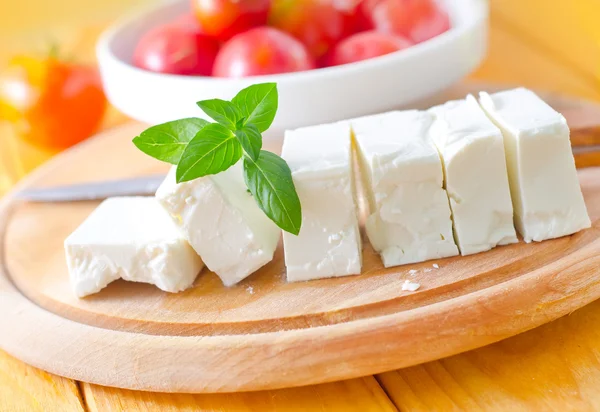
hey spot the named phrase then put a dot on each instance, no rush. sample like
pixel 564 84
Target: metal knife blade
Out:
pixel 139 186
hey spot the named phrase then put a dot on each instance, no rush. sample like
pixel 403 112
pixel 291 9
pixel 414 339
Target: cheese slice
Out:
pixel 545 189
pixel 131 238
pixel 329 242
pixel 409 217
pixel 222 222
pixel 472 151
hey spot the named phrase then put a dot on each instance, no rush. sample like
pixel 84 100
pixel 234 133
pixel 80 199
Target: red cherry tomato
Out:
pixel 430 26
pixel 189 21
pixel 319 24
pixel 418 20
pixel 224 19
pixel 179 49
pixel 52 103
pixel 361 16
pixel 366 45
pixel 260 51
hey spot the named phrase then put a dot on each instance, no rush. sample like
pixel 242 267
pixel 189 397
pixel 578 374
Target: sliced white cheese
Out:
pixel 545 189
pixel 329 241
pixel 131 238
pixel 472 152
pixel 222 222
pixel 409 217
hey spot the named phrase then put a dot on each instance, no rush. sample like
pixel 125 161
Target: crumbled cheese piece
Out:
pixel 131 238
pixel 222 222
pixel 410 286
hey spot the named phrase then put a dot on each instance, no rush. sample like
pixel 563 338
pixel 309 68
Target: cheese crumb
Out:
pixel 412 272
pixel 410 286
pixel 435 265
pixel 250 290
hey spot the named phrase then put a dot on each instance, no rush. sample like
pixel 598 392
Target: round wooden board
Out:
pixel 265 333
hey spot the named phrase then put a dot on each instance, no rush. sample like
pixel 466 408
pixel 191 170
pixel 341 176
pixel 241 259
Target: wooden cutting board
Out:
pixel 265 333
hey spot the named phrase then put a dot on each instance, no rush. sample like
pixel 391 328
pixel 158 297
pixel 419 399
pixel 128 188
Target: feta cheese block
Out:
pixel 329 243
pixel 545 189
pixel 131 238
pixel 472 153
pixel 409 216
pixel 222 222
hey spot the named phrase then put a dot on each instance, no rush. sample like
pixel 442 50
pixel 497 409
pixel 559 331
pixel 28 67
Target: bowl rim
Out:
pixel 479 13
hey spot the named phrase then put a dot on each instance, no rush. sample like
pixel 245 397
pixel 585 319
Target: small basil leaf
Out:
pixel 167 141
pixel 258 104
pixel 222 111
pixel 269 179
pixel 250 139
pixel 213 150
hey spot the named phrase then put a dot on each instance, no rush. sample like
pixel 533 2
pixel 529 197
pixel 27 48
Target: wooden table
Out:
pixel 549 45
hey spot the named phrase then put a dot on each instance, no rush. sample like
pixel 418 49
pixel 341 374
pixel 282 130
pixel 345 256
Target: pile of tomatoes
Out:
pixel 240 38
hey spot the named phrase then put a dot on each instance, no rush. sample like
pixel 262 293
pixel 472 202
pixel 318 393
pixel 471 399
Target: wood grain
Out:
pixel 24 388
pixel 554 367
pixel 214 339
pixel 514 61
pixel 577 45
pixel 360 395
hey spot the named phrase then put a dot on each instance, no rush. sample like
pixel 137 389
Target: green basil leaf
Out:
pixel 213 150
pixel 269 179
pixel 222 111
pixel 258 104
pixel 250 139
pixel 167 141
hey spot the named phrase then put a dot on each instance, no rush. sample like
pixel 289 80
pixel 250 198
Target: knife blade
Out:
pixel 138 186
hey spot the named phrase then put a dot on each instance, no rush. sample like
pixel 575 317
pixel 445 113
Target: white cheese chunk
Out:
pixel 222 222
pixel 329 242
pixel 545 189
pixel 410 286
pixel 409 218
pixel 131 238
pixel 472 152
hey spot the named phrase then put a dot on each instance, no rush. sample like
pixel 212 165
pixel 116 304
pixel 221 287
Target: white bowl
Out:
pixel 310 97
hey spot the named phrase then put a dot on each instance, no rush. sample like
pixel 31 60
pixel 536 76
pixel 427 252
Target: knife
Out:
pixel 139 186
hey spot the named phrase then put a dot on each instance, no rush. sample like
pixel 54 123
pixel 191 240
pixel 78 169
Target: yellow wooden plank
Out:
pixel 513 62
pixel 42 16
pixel 557 27
pixel 361 395
pixel 554 367
pixel 24 388
pixel 587 13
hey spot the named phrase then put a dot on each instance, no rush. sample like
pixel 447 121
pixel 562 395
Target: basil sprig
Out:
pixel 200 148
